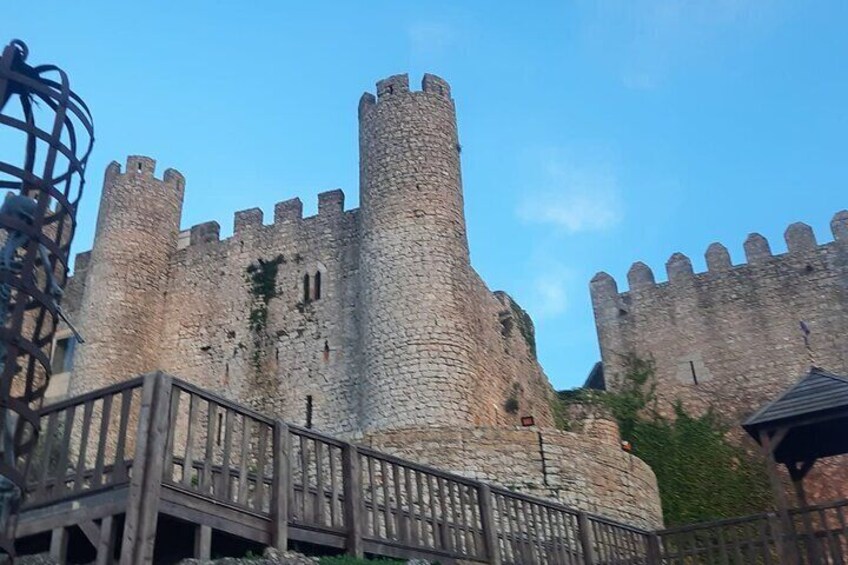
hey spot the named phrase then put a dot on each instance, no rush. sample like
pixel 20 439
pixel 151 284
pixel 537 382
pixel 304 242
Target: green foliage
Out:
pixel 262 278
pixel 512 404
pixel 702 474
pixel 525 326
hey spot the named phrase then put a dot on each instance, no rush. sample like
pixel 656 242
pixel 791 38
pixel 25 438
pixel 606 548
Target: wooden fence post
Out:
pixel 654 552
pixel 785 551
pixel 59 544
pixel 352 488
pixel 148 463
pixel 487 523
pixel 585 538
pixel 282 483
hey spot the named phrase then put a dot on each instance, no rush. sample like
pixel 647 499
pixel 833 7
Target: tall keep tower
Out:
pixel 414 259
pixel 123 302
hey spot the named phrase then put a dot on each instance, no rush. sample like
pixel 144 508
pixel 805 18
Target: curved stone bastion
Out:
pixel 586 470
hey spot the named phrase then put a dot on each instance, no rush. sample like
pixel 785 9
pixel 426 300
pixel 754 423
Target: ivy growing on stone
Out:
pixel 261 278
pixel 702 473
pixel 525 326
pixel 512 404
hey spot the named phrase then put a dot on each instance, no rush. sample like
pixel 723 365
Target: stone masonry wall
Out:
pixel 730 337
pixel 218 337
pixel 121 307
pixel 416 281
pixel 402 335
pixel 231 315
pixel 580 470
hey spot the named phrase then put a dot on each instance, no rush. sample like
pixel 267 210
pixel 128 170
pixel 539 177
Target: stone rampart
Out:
pixel 729 338
pixel 578 470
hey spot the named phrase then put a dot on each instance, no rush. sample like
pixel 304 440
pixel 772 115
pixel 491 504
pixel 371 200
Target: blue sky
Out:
pixel 594 134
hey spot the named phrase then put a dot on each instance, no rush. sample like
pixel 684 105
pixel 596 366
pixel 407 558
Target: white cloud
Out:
pixel 649 39
pixel 545 292
pixel 549 295
pixel 427 39
pixel 574 199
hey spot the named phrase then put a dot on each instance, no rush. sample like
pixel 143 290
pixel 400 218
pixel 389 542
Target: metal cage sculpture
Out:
pixel 38 218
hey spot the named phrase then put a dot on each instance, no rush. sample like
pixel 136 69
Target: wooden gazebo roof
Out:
pixel 809 420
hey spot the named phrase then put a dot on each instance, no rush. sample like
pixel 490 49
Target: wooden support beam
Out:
pixel 654 549
pixel 281 485
pixel 586 538
pixel 91 531
pixel 148 464
pixel 788 555
pixel 775 529
pixel 106 544
pixel 59 545
pixel 487 523
pixel 353 514
pixel 798 473
pixel 203 542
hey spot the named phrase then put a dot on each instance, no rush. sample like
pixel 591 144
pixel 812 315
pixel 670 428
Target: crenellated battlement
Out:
pixel 800 241
pixel 288 214
pixel 397 85
pixel 145 168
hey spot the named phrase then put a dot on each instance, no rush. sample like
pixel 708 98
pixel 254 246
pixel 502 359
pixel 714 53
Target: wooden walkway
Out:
pixel 217 467
pixel 210 468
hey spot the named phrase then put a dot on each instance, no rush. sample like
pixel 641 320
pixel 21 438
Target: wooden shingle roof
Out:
pixel 819 391
pixel 814 411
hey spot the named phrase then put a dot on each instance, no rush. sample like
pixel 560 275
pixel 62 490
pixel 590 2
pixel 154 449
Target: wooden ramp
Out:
pixel 114 465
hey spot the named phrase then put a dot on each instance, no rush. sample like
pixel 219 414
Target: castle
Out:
pixel 729 338
pixel 367 323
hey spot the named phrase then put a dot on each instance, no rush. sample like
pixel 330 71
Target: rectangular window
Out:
pixel 63 355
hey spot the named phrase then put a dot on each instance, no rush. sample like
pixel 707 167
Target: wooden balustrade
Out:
pixel 83 446
pixel 168 446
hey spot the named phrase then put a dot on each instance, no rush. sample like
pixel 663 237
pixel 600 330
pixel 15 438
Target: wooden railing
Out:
pixel 84 447
pixel 819 535
pixel 219 450
pixel 154 432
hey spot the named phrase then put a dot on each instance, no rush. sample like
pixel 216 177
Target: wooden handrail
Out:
pixel 221 401
pixel 459 517
pixel 136 382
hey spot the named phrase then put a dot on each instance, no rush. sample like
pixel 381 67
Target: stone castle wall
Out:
pixel 415 314
pixel 373 317
pixel 400 307
pixel 730 337
pixel 121 307
pixel 585 471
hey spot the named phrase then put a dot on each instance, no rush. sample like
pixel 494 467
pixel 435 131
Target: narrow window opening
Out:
pixel 309 412
pixel 139 167
pixel 220 428
pixel 305 288
pixel 694 374
pixel 317 285
pixel 62 360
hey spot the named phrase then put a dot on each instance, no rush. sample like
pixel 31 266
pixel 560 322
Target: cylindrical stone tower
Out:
pixel 414 267
pixel 123 302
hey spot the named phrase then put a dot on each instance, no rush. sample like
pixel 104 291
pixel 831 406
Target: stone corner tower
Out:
pixel 123 301
pixel 414 260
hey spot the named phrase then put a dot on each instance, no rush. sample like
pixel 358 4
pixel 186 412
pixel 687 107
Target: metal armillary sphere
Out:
pixel 43 180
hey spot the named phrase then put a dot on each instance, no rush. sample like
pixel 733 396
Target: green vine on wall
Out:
pixel 525 326
pixel 261 278
pixel 702 474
